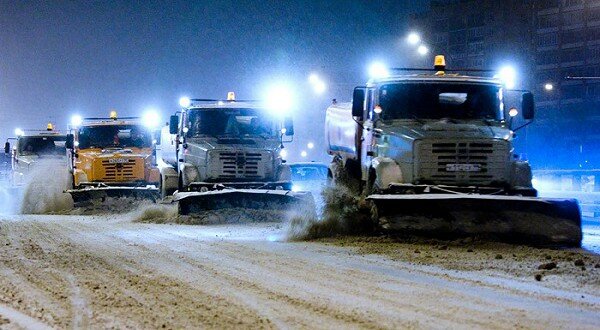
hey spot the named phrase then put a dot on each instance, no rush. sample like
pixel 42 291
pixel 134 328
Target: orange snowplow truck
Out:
pixel 112 157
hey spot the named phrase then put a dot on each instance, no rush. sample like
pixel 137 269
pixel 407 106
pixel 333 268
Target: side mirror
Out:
pixel 528 106
pixel 173 124
pixel 69 143
pixel 358 102
pixel 288 124
pixel 7 147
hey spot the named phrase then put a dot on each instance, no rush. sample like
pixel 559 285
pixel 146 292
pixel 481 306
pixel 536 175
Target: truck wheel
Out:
pixel 180 184
pixel 164 191
pixel 371 186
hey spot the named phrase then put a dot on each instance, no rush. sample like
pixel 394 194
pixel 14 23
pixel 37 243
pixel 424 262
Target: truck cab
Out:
pixel 112 155
pixel 227 143
pixel 414 133
pixel 32 147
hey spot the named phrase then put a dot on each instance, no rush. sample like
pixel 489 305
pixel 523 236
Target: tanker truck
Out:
pixel 225 154
pixel 433 152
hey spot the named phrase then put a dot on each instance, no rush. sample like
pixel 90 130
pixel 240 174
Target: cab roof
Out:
pixel 226 105
pixel 41 133
pixel 447 77
pixel 110 122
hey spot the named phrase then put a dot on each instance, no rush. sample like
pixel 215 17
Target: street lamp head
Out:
pixel 548 87
pixel 423 50
pixel 513 112
pixel 413 38
pixel 319 87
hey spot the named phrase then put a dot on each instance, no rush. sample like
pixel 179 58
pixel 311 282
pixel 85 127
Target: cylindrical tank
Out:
pixel 341 131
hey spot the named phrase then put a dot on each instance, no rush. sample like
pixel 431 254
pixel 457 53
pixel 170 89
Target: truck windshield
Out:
pixel 114 136
pixel 229 122
pixel 42 145
pixel 440 100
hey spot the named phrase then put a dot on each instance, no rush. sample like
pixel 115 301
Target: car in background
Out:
pixel 308 175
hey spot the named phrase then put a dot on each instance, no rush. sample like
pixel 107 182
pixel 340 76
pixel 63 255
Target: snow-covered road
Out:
pixel 103 271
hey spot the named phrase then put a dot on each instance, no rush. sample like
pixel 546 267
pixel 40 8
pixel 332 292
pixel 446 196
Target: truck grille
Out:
pixel 241 165
pixel 462 162
pixel 119 172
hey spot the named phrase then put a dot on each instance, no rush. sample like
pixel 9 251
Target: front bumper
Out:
pixel 101 191
pixel 209 186
pixel 406 188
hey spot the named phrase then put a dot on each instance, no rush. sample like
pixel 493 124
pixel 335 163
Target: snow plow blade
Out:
pixel 89 194
pixel 526 220
pixel 191 203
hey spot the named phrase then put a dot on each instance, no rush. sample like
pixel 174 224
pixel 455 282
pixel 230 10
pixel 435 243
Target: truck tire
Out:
pixel 164 191
pixel 180 187
pixel 371 186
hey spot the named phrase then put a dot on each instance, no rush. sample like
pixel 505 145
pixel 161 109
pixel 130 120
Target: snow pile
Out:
pixel 155 213
pixel 9 199
pixel 344 213
pixel 112 205
pixel 161 213
pixel 43 190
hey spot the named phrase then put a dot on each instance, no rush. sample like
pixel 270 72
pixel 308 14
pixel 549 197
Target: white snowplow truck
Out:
pixel 32 147
pixel 434 154
pixel 224 154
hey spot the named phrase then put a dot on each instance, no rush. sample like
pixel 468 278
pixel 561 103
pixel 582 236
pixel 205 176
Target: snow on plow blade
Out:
pixel 255 199
pixel 100 193
pixel 528 220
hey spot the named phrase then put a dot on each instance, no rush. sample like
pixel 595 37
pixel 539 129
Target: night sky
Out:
pixel 62 58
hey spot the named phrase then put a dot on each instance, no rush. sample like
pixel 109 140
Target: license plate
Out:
pixel 118 160
pixel 463 167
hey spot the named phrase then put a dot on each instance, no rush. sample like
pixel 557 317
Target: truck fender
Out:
pixel 520 176
pixel 79 176
pixel 189 173
pixel 285 173
pixel 386 170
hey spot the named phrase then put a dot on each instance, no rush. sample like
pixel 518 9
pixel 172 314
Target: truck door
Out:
pixel 366 146
pixel 181 139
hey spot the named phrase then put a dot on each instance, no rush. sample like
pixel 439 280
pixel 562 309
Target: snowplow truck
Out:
pixel 226 154
pixel 32 147
pixel 433 152
pixel 112 157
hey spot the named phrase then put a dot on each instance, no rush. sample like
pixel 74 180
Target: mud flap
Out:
pixel 527 220
pixel 89 194
pixel 191 203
